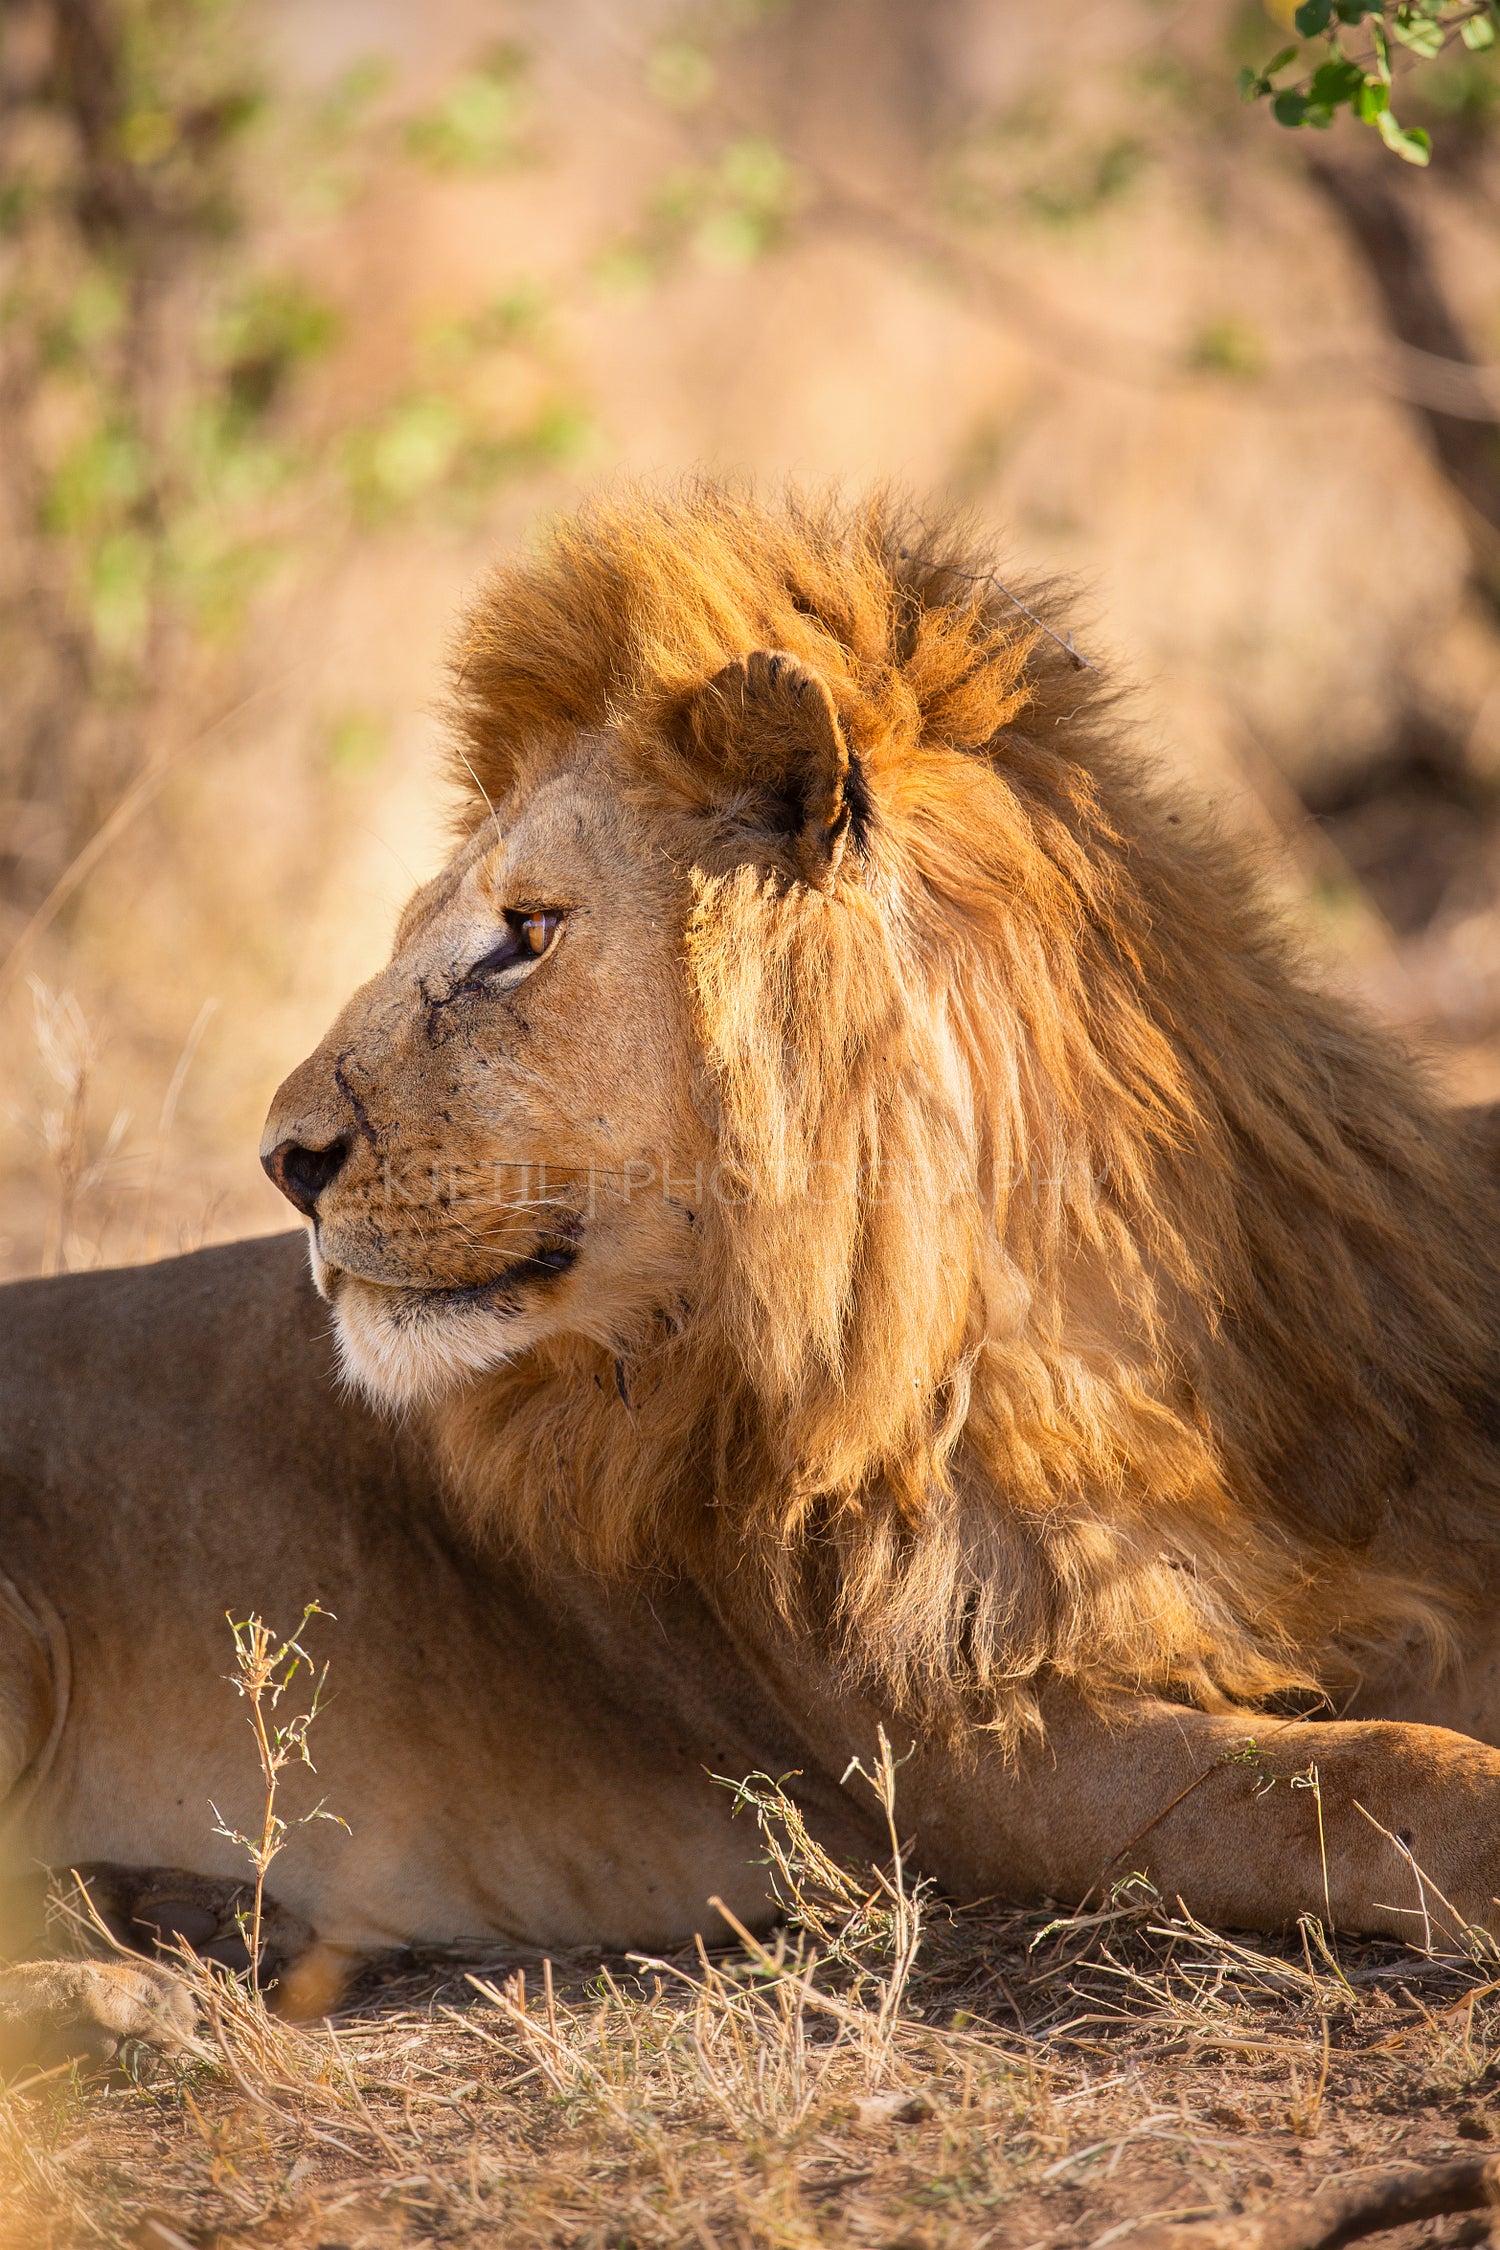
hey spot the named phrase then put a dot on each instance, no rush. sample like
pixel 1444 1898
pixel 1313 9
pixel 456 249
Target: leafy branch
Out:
pixel 1361 82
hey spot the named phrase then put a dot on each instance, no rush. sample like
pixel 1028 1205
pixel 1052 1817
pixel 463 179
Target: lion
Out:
pixel 844 1210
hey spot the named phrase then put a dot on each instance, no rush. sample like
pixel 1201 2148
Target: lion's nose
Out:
pixel 303 1173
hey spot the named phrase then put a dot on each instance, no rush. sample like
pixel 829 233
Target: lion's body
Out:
pixel 865 1219
pixel 510 1763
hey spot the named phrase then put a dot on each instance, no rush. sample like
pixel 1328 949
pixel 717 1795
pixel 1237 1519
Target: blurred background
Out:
pixel 309 307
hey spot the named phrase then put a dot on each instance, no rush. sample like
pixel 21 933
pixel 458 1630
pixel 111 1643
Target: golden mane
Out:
pixel 1096 1298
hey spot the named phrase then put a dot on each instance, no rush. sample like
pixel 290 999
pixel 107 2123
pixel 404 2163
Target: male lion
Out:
pixel 840 1210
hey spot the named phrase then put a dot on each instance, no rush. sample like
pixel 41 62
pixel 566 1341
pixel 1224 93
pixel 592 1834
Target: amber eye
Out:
pixel 540 928
pixel 527 937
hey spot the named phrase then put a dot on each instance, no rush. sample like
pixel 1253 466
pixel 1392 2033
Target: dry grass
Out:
pixel 99 1188
pixel 888 2070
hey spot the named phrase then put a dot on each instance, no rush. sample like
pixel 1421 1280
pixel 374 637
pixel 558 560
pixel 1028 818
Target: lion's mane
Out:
pixel 1099 1299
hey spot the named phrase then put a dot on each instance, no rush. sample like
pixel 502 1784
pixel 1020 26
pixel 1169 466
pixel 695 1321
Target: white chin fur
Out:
pixel 321 1270
pixel 400 1353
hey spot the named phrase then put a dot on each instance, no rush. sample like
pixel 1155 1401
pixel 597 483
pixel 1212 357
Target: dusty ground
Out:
pixel 1035 2082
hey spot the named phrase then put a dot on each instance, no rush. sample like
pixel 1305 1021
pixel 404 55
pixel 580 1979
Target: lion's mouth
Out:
pixel 500 1294
pixel 410 1304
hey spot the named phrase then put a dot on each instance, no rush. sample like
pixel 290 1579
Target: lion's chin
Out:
pixel 411 1347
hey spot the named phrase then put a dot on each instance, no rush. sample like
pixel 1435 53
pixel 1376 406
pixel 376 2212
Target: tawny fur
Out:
pixel 1097 1298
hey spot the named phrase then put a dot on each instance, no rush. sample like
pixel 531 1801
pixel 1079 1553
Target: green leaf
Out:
pixel 1312 17
pixel 1411 144
pixel 119 592
pixel 1335 82
pixel 1371 99
pixel 1478 33
pixel 755 171
pixel 1382 51
pixel 1279 62
pixel 475 126
pixel 1228 346
pixel 681 74
pixel 1354 11
pixel 1251 85
pixel 1289 108
pixel 1420 33
pixel 407 453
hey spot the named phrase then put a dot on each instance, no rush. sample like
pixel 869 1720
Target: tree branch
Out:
pixel 1338 2215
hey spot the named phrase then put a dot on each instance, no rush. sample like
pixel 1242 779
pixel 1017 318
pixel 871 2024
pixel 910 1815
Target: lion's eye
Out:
pixel 541 928
pixel 527 937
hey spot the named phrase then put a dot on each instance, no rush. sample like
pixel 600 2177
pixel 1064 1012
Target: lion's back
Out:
pixel 152 1351
pixel 148 1407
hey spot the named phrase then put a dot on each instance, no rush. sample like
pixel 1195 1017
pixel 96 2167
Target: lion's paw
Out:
pixel 158 1909
pixel 54 2012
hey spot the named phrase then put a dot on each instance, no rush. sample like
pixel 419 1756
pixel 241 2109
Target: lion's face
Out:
pixel 484 1144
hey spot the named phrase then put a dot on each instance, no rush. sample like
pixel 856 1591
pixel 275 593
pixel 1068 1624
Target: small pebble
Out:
pixel 892 2109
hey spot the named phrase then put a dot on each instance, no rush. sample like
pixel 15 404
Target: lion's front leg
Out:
pixel 1381 1827
pixel 54 2012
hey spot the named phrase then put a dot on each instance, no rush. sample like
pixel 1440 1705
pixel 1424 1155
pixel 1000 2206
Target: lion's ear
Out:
pixel 768 719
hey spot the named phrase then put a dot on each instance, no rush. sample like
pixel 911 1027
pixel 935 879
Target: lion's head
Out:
pixel 830 1124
